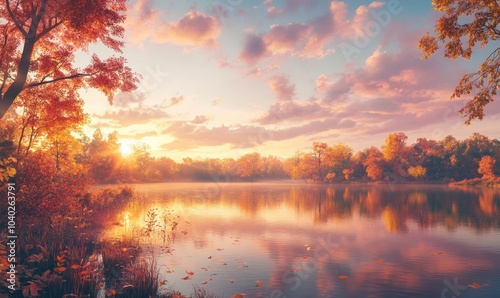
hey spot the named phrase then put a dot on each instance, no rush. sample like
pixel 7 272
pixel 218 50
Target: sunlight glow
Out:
pixel 126 149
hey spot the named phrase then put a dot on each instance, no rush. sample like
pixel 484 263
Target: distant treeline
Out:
pixel 443 160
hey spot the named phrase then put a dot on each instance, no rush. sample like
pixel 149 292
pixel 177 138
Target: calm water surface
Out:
pixel 299 240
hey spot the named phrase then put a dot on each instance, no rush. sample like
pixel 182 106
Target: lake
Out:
pixel 304 240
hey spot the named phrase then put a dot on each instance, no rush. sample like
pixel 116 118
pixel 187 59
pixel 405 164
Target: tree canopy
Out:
pixel 464 25
pixel 39 40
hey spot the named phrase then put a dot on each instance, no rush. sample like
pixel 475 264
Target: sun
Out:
pixel 126 149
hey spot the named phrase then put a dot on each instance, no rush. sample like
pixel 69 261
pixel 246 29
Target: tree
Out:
pixel 39 39
pixel 417 172
pixel 475 22
pixel 338 159
pixel 396 152
pixel 250 165
pixel 486 167
pixel 374 163
pixel 319 151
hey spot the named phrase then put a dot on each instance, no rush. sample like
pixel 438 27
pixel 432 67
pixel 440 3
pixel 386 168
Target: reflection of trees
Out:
pixel 396 205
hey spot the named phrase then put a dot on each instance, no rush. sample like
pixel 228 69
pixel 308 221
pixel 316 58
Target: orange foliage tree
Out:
pixel 486 167
pixel 39 39
pixel 464 25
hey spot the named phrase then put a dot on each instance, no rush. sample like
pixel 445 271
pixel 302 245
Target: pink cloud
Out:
pixel 194 29
pixel 189 135
pixel 286 38
pixel 254 49
pixel 313 39
pixel 282 87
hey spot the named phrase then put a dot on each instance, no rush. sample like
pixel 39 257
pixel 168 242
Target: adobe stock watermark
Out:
pixel 152 79
pixel 452 290
pixel 223 8
pixel 301 271
pixel 372 29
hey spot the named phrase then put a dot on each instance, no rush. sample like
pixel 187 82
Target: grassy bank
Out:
pixel 477 182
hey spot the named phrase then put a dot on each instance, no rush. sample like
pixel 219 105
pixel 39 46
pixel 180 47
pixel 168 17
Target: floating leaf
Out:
pixel 189 272
pixel 60 269
pixel 343 276
pixel 475 286
pixel 379 260
pixel 186 277
pixel 240 295
pixel 110 292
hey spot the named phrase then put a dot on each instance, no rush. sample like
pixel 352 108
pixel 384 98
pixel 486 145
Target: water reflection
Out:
pixel 326 241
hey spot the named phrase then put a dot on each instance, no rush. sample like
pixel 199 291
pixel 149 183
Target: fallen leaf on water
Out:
pixel 110 292
pixel 379 260
pixel 475 286
pixel 170 271
pixel 219 249
pixel 189 272
pixel 204 282
pixel 305 257
pixel 296 270
pixel 210 257
pixel 203 268
pixel 343 276
pixel 440 253
pixel 186 277
pixel 231 280
pixel 163 282
pixel 258 283
pixel 240 295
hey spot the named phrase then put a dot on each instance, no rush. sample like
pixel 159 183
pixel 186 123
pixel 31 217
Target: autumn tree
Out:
pixel 45 112
pixel 374 163
pixel 417 172
pixel 250 165
pixel 318 153
pixel 396 152
pixel 487 167
pixel 338 158
pixel 294 166
pixel 39 40
pixel 273 167
pixel 463 25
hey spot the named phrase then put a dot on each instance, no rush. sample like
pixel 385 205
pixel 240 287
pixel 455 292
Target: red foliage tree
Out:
pixel 39 39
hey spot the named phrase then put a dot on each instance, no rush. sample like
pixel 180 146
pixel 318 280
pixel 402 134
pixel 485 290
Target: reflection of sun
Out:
pixel 126 149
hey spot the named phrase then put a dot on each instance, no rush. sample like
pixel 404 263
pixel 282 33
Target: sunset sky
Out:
pixel 229 77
